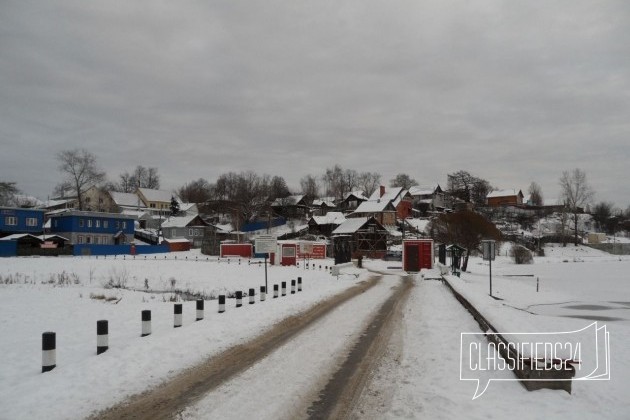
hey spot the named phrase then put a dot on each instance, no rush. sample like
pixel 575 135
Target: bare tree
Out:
pixel 338 182
pixel 465 228
pixel 8 190
pixel 309 186
pixel 403 180
pixel 278 188
pixel 198 191
pixel 576 193
pixel 469 188
pixel 602 212
pixel 81 172
pixel 535 194
pixel 369 182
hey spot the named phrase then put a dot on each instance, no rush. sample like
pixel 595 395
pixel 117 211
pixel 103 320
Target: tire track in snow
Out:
pixel 172 397
pixel 341 395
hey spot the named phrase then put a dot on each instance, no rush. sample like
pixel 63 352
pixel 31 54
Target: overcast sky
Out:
pixel 511 91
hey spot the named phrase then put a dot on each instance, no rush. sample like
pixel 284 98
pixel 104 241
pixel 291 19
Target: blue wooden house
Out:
pixel 85 227
pixel 18 220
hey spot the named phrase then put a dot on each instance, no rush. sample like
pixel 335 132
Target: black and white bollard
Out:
pixel 251 297
pixel 146 323
pixel 299 284
pixel 275 291
pixel 199 310
pixel 102 336
pixel 263 293
pixel 293 286
pixel 239 299
pixel 284 288
pixel 221 304
pixel 177 315
pixel 49 351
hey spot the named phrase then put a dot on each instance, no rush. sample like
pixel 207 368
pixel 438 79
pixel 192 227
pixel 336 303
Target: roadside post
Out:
pixel 489 252
pixel 266 244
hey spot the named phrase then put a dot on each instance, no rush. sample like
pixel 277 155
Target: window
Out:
pixel 97 223
pixel 105 224
pixel 10 220
pixel 191 232
pixel 88 239
pixel 81 222
pixel 80 239
pixel 31 221
pixel 152 205
pixel 124 225
pixel 97 240
pixel 89 223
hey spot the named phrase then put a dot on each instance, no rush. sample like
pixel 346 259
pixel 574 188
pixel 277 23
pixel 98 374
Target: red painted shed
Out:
pixel 236 250
pixel 288 253
pixel 417 254
pixel 175 245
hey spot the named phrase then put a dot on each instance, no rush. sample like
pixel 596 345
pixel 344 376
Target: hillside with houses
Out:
pixel 365 222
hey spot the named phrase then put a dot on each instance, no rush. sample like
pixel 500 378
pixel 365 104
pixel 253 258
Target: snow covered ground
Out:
pixel 577 286
pixel 82 381
pixel 420 380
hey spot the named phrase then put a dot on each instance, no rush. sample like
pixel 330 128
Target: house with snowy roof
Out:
pixel 351 201
pixel 321 206
pixel 190 227
pixel 157 201
pixel 324 225
pixel 398 196
pixel 291 206
pixel 364 235
pixel 502 198
pixel 429 198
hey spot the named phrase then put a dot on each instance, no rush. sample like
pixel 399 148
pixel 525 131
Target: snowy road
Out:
pixel 287 382
pixel 281 374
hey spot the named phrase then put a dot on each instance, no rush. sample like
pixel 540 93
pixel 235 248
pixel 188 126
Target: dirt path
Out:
pixel 170 398
pixel 340 397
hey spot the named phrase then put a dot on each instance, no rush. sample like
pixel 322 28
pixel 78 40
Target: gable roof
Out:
pixel 331 218
pixel 163 196
pixel 424 189
pixel 353 225
pixel 504 193
pixel 183 221
pixel 350 226
pixel 323 202
pixel 375 206
pixel 18 236
pixel 357 194
pixel 292 200
pixel 126 199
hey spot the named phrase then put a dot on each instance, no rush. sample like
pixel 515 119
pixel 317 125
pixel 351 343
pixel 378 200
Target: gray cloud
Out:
pixel 511 91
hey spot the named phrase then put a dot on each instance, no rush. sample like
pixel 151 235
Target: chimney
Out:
pixel 382 190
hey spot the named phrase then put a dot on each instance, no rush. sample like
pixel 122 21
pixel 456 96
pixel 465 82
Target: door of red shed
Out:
pixel 417 254
pixel 289 254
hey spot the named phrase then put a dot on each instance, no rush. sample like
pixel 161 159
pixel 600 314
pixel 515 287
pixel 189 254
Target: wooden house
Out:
pixel 505 198
pixel 324 225
pixel 366 236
